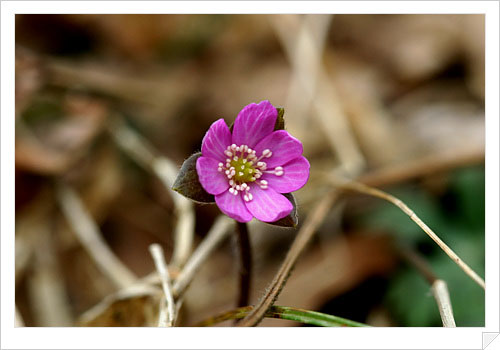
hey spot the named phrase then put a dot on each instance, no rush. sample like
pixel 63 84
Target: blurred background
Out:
pixel 394 100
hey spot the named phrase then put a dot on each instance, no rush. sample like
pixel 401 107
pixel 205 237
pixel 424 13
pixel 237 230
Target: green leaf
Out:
pixel 292 219
pixel 311 317
pixel 188 184
pixel 286 313
pixel 280 121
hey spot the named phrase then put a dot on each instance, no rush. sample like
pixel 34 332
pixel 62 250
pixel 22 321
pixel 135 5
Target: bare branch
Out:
pixel 161 267
pixel 90 237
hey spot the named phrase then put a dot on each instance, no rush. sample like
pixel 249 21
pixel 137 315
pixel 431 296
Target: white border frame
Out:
pixel 221 338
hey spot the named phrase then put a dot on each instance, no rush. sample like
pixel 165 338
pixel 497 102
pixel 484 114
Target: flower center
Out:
pixel 244 170
pixel 243 167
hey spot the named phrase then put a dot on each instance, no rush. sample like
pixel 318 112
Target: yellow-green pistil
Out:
pixel 245 171
pixel 242 167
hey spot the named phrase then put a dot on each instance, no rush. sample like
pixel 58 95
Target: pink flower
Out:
pixel 247 171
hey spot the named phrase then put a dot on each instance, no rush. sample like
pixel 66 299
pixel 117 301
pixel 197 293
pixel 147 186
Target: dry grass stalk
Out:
pixel 18 319
pixel 91 239
pixel 438 286
pixel 315 218
pixel 144 154
pixel 440 292
pixel 304 47
pixel 167 313
pixel 219 231
pixel 361 188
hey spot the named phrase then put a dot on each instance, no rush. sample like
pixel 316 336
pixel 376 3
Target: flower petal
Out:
pixel 216 140
pixel 295 176
pixel 233 206
pixel 268 205
pixel 213 181
pixel 284 148
pixel 253 123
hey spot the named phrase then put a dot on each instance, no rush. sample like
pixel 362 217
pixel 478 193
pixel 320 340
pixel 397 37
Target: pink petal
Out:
pixel 233 206
pixel 253 123
pixel 216 140
pixel 213 181
pixel 284 148
pixel 268 205
pixel 295 176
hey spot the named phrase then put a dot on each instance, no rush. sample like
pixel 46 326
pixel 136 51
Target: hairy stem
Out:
pixel 245 272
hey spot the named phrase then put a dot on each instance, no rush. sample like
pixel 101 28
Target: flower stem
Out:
pixel 245 273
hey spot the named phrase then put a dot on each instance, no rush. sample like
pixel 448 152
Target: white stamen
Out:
pixel 231 190
pixel 240 173
pixel 235 158
pixel 246 198
pixel 238 187
pixel 228 153
pixel 264 182
pixel 250 197
pixel 242 167
pixel 231 182
pixel 267 153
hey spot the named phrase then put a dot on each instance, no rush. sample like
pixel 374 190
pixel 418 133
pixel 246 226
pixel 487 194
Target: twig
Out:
pixel 440 291
pixel 90 237
pixel 161 266
pixel 438 286
pixel 305 234
pixel 144 154
pixel 218 232
pixel 245 263
pixel 359 187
